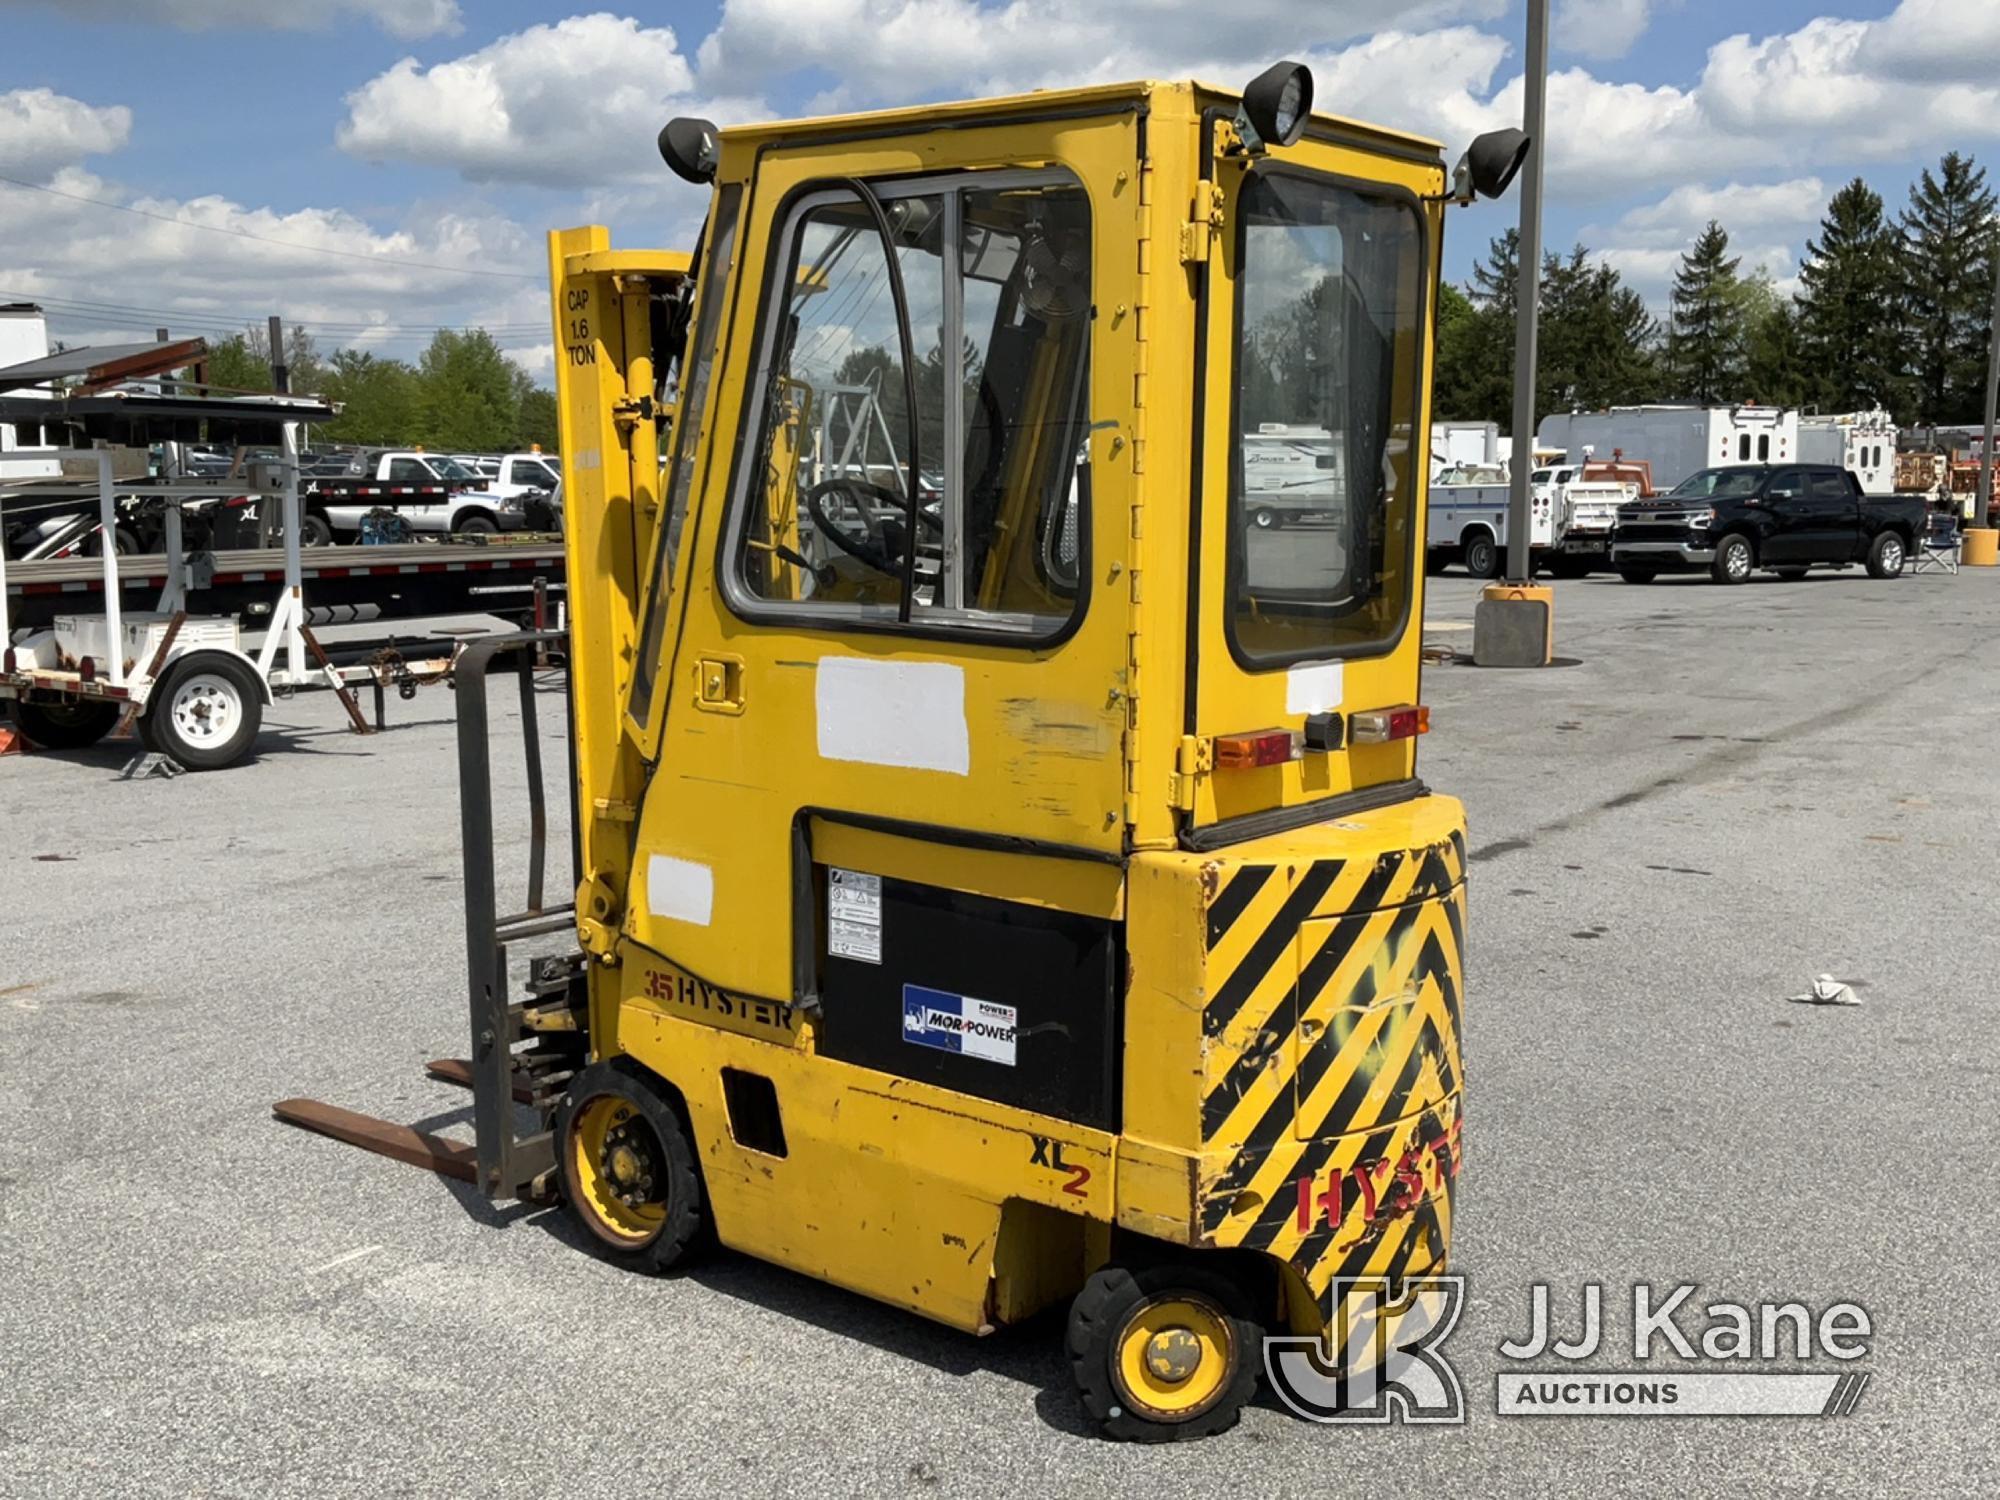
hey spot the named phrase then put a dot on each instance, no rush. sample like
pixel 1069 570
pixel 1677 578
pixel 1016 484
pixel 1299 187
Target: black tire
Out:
pixel 66 726
pixel 1790 575
pixel 124 541
pixel 1101 1322
pixel 476 524
pixel 1568 565
pixel 669 1217
pixel 205 712
pixel 315 530
pixel 1735 559
pixel 1887 556
pixel 1266 519
pixel 1481 554
pixel 1635 573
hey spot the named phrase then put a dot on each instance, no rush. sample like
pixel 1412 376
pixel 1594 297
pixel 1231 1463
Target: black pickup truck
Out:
pixel 1782 517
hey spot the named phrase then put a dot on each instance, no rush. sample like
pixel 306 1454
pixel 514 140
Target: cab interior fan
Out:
pixel 1055 274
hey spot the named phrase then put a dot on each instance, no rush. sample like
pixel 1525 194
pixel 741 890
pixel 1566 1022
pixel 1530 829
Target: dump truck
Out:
pixel 1001 879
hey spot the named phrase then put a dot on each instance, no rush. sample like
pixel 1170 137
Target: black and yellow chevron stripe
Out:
pixel 1332 1034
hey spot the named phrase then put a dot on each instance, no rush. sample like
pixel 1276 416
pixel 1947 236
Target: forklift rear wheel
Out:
pixel 205 712
pixel 66 726
pixel 628 1167
pixel 1164 1353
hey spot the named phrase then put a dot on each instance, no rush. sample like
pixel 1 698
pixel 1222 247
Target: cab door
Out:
pixel 895 627
pixel 1789 513
pixel 1316 307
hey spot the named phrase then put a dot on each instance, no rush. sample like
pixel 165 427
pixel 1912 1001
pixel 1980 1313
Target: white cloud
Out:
pixel 41 130
pixel 1932 40
pixel 88 262
pixel 404 18
pixel 895 50
pixel 1600 28
pixel 1766 224
pixel 574 103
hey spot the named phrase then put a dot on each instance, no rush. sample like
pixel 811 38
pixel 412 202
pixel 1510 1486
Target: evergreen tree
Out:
pixel 1595 343
pixel 1705 336
pixel 1948 238
pixel 1778 371
pixel 1850 305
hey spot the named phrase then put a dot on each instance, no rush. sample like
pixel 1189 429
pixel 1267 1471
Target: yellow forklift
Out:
pixel 1002 876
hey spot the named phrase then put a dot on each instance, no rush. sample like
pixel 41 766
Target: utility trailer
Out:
pixel 1861 442
pixel 179 675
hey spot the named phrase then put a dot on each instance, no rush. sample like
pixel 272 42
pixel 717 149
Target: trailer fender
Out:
pixel 141 687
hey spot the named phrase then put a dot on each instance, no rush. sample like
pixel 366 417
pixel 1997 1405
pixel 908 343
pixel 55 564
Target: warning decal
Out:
pixel 959 1023
pixel 854 915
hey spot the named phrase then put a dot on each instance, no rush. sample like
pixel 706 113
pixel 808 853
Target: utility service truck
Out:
pixel 1676 440
pixel 1003 880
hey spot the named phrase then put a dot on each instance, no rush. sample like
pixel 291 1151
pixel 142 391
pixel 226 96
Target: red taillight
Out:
pixel 1378 726
pixel 7 663
pixel 87 669
pixel 1263 747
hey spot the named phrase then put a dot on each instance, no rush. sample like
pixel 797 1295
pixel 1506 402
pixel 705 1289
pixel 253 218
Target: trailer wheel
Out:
pixel 628 1167
pixel 1265 519
pixel 1482 554
pixel 1163 1353
pixel 205 712
pixel 66 726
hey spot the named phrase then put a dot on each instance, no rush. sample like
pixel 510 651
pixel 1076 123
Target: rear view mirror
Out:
pixel 1489 165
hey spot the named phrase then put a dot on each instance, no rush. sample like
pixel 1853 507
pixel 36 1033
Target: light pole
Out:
pixel 1980 516
pixel 1527 296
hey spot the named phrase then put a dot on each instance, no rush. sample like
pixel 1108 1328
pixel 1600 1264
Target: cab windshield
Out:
pixel 1330 295
pixel 1712 484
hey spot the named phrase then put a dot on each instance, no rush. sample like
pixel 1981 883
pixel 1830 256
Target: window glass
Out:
pixel 996 279
pixel 1787 482
pixel 1329 302
pixel 409 471
pixel 1743 447
pixel 1712 484
pixel 1763 447
pixel 1830 484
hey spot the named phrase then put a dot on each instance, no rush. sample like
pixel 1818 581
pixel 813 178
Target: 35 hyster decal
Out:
pixel 1048 1153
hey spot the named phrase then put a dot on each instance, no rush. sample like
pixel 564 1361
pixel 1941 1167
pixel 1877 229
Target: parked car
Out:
pixel 1784 518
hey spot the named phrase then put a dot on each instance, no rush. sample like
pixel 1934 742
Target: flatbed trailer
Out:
pixel 400 581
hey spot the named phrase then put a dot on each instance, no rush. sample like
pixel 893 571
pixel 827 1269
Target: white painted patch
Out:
pixel 679 889
pixel 909 714
pixel 341 1260
pixel 1313 689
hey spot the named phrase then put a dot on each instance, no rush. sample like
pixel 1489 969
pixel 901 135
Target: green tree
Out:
pixel 1850 306
pixel 1777 371
pixel 467 400
pixel 377 396
pixel 1948 245
pixel 1705 336
pixel 539 422
pixel 1476 353
pixel 1595 345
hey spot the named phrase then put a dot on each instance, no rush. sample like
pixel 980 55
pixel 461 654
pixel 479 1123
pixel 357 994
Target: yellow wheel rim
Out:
pixel 619 1170
pixel 1174 1357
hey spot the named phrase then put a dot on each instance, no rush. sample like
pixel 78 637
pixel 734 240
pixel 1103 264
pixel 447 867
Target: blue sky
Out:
pixel 434 135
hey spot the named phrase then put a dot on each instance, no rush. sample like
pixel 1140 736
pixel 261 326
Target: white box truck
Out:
pixel 1861 442
pixel 24 337
pixel 1676 440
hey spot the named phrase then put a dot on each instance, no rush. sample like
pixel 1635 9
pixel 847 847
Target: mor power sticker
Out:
pixel 959 1023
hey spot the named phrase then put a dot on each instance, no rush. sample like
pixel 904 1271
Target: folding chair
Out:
pixel 1937 549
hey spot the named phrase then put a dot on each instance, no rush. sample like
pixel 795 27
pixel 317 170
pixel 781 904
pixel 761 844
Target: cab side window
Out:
pixel 1830 484
pixel 995 274
pixel 1786 484
pixel 407 471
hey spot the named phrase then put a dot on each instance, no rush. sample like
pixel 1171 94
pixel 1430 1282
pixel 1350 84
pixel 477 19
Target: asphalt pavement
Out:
pixel 1715 795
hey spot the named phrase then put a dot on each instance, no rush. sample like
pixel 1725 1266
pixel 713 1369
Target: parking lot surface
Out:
pixel 1716 795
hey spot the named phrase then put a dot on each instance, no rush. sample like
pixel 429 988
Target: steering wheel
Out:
pixel 869 499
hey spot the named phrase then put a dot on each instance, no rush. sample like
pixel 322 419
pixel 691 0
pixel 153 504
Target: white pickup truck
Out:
pixel 432 493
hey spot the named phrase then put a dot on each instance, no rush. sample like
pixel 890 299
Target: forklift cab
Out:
pixel 1003 871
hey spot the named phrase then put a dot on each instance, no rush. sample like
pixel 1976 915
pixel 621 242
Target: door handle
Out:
pixel 719 684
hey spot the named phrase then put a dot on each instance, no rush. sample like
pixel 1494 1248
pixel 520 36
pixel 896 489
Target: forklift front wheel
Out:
pixel 1164 1353
pixel 628 1167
